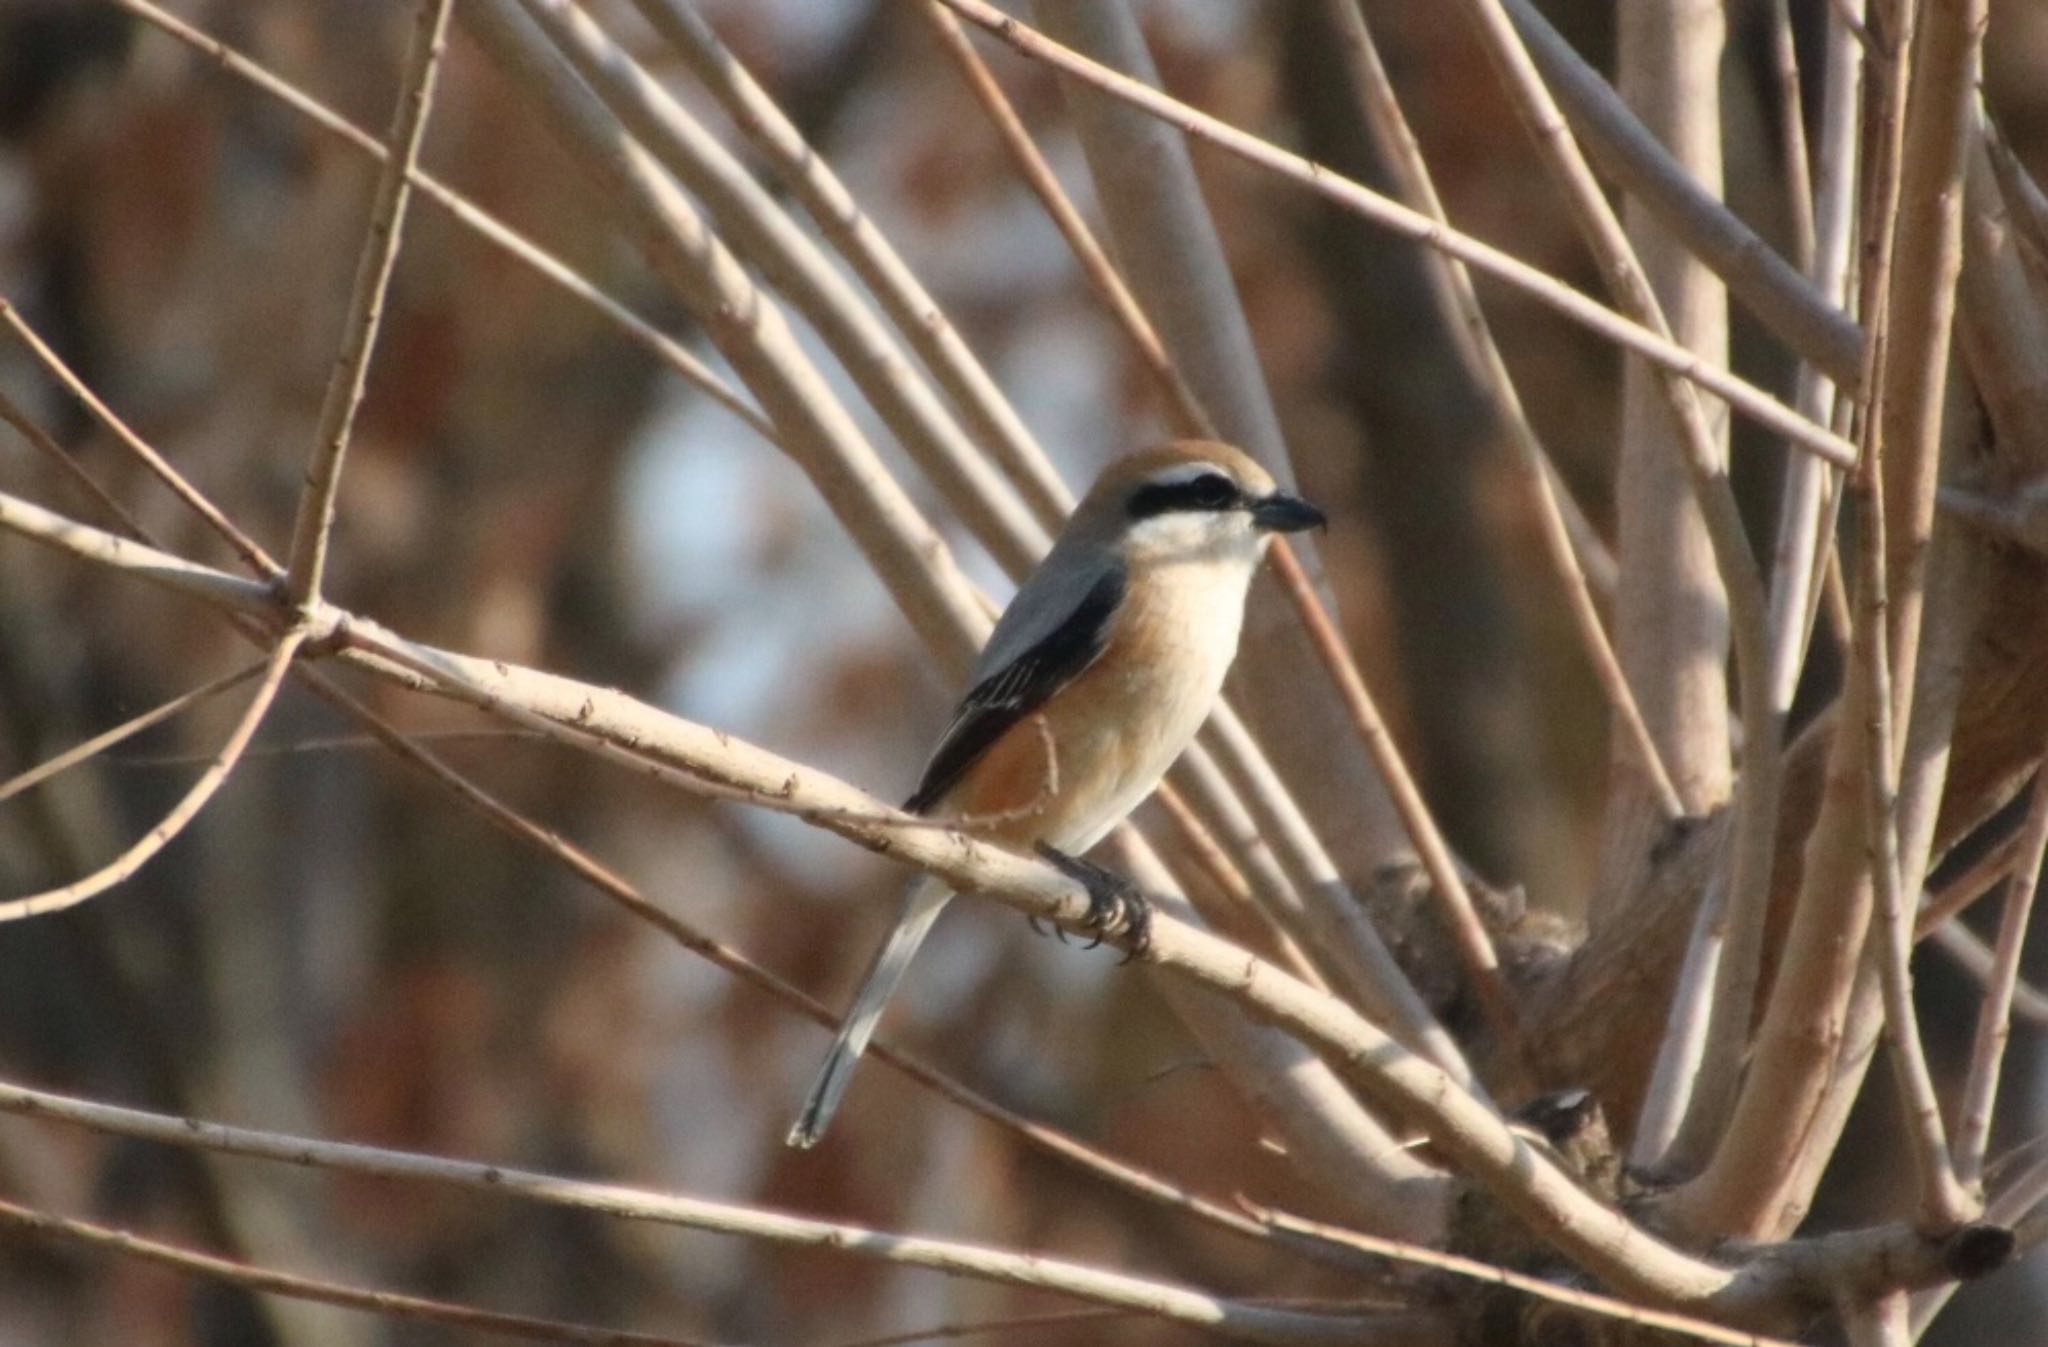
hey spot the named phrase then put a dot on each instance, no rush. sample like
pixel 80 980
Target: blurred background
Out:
pixel 337 949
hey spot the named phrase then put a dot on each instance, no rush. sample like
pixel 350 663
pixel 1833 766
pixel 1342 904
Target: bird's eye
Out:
pixel 1212 491
pixel 1207 491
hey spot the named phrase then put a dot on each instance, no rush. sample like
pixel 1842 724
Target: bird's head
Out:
pixel 1191 500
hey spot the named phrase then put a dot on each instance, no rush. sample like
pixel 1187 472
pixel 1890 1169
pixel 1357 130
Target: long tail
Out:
pixel 921 907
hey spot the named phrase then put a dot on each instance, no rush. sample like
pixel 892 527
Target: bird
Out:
pixel 1096 676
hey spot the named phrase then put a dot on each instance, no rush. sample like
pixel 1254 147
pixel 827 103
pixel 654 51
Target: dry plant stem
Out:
pixel 1765 1158
pixel 1163 1299
pixel 1919 318
pixel 750 331
pixel 1793 149
pixel 106 739
pixel 1338 914
pixel 183 812
pixel 1315 1111
pixel 1942 1202
pixel 1738 925
pixel 1170 251
pixel 1941 905
pixel 1209 859
pixel 1182 408
pixel 69 466
pixel 1977 961
pixel 615 887
pixel 1606 1307
pixel 683 753
pixel 315 525
pixel 1519 1174
pixel 1539 474
pixel 762 232
pixel 1805 510
pixel 465 212
pixel 244 546
pixel 1796 311
pixel 1328 915
pixel 1661 351
pixel 1671 619
pixel 1994 1016
pixel 846 226
pixel 1461 915
pixel 269 1281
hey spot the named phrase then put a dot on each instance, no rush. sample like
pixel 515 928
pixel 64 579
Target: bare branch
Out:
pixel 1603 1306
pixel 1539 474
pixel 1412 225
pixel 244 546
pixel 761 231
pixel 127 729
pixel 1994 1016
pixel 183 812
pixel 1805 317
pixel 270 1281
pixel 1163 1299
pixel 308 554
pixel 910 307
pixel 1942 1203
pixel 465 212
pixel 750 330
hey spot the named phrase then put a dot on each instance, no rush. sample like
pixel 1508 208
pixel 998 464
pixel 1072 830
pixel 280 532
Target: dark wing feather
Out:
pixel 1018 688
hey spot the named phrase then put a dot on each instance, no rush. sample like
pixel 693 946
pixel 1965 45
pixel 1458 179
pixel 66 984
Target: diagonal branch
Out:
pixel 315 524
pixel 874 259
pixel 620 728
pixel 1166 1300
pixel 1804 316
pixel 180 814
pixel 127 729
pixel 1661 351
pixel 270 1281
pixel 465 212
pixel 1994 1017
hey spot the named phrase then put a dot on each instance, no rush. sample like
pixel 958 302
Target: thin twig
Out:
pixel 1806 507
pixel 1538 473
pixel 1163 1299
pixel 1308 888
pixel 1976 959
pixel 1606 1307
pixel 1958 892
pixel 244 546
pixel 1469 935
pixel 315 524
pixel 1994 1016
pixel 552 846
pixel 758 228
pixel 68 465
pixel 1660 351
pixel 183 812
pixel 1943 1204
pixel 1797 312
pixel 915 313
pixel 270 1281
pixel 106 739
pixel 466 213
pixel 1738 923
pixel 1515 1171
pixel 750 329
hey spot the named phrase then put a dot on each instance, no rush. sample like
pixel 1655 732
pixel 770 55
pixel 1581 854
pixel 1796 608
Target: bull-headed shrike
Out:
pixel 1095 678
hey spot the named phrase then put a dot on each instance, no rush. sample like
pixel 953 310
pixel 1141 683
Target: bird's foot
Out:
pixel 1115 904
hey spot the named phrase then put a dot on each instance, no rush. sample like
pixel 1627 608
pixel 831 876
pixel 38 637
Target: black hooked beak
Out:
pixel 1282 513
